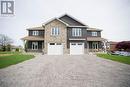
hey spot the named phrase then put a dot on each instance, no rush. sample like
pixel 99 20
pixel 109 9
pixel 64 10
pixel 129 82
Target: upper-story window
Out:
pixel 76 32
pixel 35 33
pixel 55 31
pixel 94 33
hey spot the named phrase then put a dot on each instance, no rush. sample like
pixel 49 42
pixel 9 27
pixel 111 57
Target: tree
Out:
pixel 4 41
pixel 123 45
pixel 8 47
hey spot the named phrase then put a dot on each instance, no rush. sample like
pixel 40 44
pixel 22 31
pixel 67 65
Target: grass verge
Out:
pixel 118 58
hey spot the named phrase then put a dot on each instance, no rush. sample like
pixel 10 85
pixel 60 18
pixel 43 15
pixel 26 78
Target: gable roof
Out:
pixel 71 20
pixel 53 20
pixel 68 21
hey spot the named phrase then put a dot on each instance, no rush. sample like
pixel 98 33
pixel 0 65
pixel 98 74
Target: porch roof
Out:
pixel 36 28
pixel 77 39
pixel 33 38
pixel 95 39
pixel 93 29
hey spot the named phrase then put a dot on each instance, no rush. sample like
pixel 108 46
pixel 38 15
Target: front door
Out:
pixel 34 45
pixel 95 45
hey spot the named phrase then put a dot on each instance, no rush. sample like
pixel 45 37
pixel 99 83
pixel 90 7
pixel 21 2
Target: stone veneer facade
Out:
pixel 61 38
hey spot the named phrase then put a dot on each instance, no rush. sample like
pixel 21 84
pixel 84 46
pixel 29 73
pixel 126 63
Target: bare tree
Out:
pixel 4 41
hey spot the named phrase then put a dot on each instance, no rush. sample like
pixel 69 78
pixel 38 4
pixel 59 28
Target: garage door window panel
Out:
pixel 73 43
pixel 58 44
pixel 79 43
pixel 52 43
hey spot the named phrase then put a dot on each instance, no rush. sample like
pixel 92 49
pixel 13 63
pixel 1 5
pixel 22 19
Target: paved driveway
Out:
pixel 66 71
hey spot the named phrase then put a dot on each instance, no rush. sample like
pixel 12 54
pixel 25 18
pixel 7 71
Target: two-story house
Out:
pixel 63 35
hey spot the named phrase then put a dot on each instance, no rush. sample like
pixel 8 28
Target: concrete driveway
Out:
pixel 66 71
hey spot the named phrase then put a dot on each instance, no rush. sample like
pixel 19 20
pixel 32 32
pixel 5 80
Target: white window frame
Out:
pixel 94 33
pixel 55 31
pixel 35 33
pixel 76 32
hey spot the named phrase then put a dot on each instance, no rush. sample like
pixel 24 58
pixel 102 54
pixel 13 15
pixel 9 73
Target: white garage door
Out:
pixel 55 49
pixel 76 48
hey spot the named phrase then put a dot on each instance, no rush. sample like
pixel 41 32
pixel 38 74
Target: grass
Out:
pixel 118 58
pixel 12 58
pixel 7 52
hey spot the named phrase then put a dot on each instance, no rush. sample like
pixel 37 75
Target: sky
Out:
pixel 112 16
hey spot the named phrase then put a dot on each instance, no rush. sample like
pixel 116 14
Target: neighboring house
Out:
pixel 112 46
pixel 16 48
pixel 119 46
pixel 63 35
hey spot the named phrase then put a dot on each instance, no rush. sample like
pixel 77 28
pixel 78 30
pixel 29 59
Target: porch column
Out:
pixel 87 46
pixel 42 46
pixel 25 45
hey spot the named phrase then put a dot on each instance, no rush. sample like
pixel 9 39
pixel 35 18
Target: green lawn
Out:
pixel 11 58
pixel 7 52
pixel 122 59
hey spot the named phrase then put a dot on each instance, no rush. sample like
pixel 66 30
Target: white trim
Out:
pixel 77 39
pixel 35 28
pixel 76 32
pixel 94 33
pixel 34 45
pixel 78 26
pixel 62 22
pixel 55 19
pixel 93 29
pixel 73 18
pixel 55 31
pixel 35 33
pixel 65 22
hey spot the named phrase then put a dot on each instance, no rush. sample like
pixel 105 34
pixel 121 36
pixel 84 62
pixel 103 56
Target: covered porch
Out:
pixel 95 44
pixel 34 46
pixel 33 43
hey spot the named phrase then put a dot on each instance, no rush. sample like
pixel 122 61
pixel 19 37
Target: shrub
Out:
pixel 17 50
pixel 123 45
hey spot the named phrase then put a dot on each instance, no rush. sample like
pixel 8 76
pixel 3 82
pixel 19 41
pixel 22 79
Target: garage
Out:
pixel 55 49
pixel 76 48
